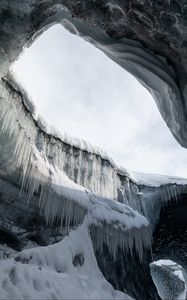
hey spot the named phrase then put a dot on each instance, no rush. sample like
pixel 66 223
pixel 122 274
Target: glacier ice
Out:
pixel 61 199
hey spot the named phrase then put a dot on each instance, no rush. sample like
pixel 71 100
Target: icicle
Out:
pixel 118 238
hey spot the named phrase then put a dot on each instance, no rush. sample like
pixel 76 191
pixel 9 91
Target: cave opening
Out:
pixel 79 90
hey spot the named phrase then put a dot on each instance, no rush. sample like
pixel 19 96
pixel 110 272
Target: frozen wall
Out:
pixel 84 164
pixel 26 141
pixel 41 200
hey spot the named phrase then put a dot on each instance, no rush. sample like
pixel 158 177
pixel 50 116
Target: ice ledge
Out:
pixel 153 180
pixel 11 81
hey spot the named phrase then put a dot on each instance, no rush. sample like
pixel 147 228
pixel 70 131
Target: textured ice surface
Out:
pixel 169 280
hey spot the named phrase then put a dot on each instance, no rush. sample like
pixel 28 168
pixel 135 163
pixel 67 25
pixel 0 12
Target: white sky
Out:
pixel 82 92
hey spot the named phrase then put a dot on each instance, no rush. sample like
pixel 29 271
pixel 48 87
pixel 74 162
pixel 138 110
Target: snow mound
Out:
pixel 66 270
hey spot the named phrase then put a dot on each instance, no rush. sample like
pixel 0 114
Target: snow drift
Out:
pixel 66 270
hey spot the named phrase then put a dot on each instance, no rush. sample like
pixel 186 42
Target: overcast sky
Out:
pixel 82 92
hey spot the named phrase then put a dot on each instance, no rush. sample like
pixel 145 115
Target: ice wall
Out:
pixel 39 158
pixel 66 180
pixel 86 168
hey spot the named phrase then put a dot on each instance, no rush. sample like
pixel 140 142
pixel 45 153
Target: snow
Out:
pixel 51 272
pixel 155 180
pixel 128 228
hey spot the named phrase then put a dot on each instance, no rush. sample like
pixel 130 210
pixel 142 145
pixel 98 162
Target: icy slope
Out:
pixel 67 270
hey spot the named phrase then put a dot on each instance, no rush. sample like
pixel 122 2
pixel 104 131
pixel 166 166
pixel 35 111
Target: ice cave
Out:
pixel 73 224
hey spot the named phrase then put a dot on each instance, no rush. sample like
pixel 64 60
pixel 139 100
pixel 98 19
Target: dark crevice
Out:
pixel 170 235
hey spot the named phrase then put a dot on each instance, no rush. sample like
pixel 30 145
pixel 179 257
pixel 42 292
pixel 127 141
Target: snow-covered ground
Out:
pixel 66 270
